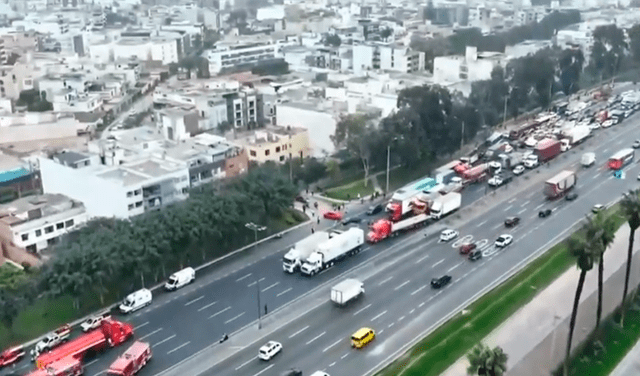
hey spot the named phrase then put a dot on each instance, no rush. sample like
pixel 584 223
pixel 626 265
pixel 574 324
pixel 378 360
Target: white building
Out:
pixel 155 48
pixel 120 191
pixel 389 57
pixel 228 55
pixel 473 66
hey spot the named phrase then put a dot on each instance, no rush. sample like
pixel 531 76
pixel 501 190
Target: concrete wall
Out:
pixel 20 133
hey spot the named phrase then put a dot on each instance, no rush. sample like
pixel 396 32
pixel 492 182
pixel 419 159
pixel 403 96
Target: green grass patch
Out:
pixel 350 191
pixel 452 340
pixel 42 316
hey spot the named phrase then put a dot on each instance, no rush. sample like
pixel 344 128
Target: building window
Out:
pixel 238 107
pixel 267 152
pixel 277 149
pixel 131 206
pixel 31 248
pixel 48 229
pixel 138 204
pixel 25 237
pixel 252 153
pixel 137 192
pixel 59 226
pixel 282 158
pixel 130 194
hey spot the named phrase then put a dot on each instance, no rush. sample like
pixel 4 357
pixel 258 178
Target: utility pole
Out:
pixel 256 228
pixel 504 114
pixel 462 137
pixel 388 152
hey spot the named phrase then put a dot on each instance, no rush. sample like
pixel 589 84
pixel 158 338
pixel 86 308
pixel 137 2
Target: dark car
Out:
pixel 571 196
pixel 475 255
pixel 302 200
pixel 438 283
pixel 466 248
pixel 374 209
pixel 544 213
pixel 292 372
pixel 511 221
pixel 351 220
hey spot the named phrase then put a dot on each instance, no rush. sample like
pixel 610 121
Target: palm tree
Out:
pixel 487 362
pixel 599 234
pixel 584 260
pixel 631 211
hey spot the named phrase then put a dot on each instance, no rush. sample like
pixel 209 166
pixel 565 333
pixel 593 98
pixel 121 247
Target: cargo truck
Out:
pixel 334 250
pixel 132 360
pixel 301 250
pixel 384 228
pixel 560 184
pixel 110 334
pixel 446 204
pixel 574 136
pixel 346 291
pixel 68 366
pixel 510 161
pixel 588 159
pixel 475 174
pixel 547 149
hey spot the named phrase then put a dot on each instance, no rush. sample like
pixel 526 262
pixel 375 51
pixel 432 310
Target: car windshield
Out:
pixel 501 239
pixel 173 280
pixel 128 302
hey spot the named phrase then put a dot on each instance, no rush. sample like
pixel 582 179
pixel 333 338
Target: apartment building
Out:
pixel 276 144
pixel 16 78
pixel 35 223
pixel 163 49
pixel 473 66
pixel 230 55
pixel 389 57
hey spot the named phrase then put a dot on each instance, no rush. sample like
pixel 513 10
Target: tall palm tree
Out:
pixel 486 361
pixel 583 253
pixel 631 211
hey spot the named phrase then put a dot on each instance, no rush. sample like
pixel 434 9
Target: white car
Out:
pixel 269 350
pixel 593 126
pixel 504 240
pixel 636 144
pixel 448 234
pixel 319 373
pixel 638 176
pixel 94 322
pixel 518 170
pixel 607 123
pixel 495 181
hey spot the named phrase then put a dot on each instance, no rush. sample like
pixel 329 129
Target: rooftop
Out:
pixel 34 207
pixel 69 158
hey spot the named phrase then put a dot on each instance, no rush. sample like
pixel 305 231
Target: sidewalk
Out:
pixel 535 337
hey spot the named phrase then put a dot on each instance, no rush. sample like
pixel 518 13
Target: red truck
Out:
pixel 132 360
pixel 547 149
pixel 12 355
pixel 68 366
pixel 475 174
pixel 560 184
pixel 111 333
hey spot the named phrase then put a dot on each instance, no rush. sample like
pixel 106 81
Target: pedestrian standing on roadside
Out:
pixel 318 219
pixel 312 230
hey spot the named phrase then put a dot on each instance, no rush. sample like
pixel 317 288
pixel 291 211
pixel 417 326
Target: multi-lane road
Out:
pixel 399 304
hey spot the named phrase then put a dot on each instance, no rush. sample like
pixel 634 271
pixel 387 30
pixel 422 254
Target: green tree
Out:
pixel 570 65
pixel 631 210
pixel 585 255
pixel 484 361
pixel 634 42
pixel 332 40
pixel 608 50
pixel 355 133
pixel 386 33
pixel 10 305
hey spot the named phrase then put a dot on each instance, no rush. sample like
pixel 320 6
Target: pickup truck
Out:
pixel 51 340
pixel 94 322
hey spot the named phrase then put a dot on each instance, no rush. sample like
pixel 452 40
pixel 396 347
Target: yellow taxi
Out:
pixel 362 337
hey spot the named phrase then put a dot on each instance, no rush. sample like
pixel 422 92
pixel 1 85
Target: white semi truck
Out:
pixel 334 250
pixel 346 291
pixel 446 204
pixel 292 260
pixel 574 136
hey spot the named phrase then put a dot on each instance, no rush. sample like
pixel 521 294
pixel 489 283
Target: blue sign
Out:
pixel 618 174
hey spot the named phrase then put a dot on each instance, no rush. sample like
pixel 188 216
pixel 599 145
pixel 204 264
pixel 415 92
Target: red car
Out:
pixel 335 215
pixel 10 356
pixel 467 248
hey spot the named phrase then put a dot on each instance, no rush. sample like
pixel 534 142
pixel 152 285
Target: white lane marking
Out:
pixel 344 356
pixel 285 291
pixel 165 340
pixel 453 267
pixel 526 202
pixel 437 263
pixel 247 362
pixel 422 258
pixel 400 318
pixel 497 226
pixel 418 290
pixel 316 337
pixel 421 304
pixel 179 347
pixel 207 306
pixel 270 287
pixel 401 285
pixel 385 281
pixel 219 312
pixel 246 276
pixel 299 331
pixel 362 309
pixel 522 211
pixel 512 200
pixel 331 345
pixel 413 310
pixel 194 300
pixel 481 223
pixel 141 325
pixel 508 208
pixel 91 362
pixel 233 318
pixel 332 364
pixel 150 334
pixel 379 315
pixel 264 370
pixel 254 282
pixel 390 325
pixel 539 206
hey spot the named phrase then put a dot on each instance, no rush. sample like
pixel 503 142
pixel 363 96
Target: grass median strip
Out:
pixel 451 341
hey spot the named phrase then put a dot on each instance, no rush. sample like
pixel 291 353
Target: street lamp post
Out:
pixel 256 228
pixel 388 157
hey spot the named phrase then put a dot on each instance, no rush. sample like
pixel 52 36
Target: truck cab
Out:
pixel 531 161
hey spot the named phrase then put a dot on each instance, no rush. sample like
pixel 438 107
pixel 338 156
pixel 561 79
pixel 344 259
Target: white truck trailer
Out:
pixel 346 291
pixel 446 204
pixel 574 136
pixel 301 250
pixel 334 250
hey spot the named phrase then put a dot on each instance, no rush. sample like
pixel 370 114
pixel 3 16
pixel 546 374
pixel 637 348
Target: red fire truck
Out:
pixel 10 356
pixel 132 360
pixel 68 366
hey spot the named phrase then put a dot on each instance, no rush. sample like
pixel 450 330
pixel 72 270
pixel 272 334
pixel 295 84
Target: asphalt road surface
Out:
pixel 398 304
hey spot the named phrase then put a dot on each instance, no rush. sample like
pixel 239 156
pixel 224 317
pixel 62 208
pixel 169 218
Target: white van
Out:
pixel 180 279
pixel 135 301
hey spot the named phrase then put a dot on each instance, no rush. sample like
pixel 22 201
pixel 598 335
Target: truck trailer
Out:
pixel 475 174
pixel 301 250
pixel 110 334
pixel 446 204
pixel 560 184
pixel 346 291
pixel 132 360
pixel 384 228
pixel 547 149
pixel 574 136
pixel 334 250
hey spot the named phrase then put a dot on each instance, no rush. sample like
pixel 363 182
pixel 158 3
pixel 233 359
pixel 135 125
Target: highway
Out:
pixel 399 302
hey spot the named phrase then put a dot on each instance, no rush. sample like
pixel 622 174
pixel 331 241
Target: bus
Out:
pixel 621 158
